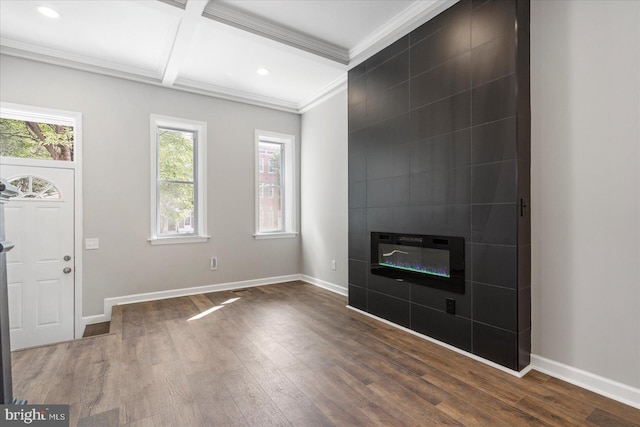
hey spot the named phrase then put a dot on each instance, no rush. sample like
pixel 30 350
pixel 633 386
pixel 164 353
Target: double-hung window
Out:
pixel 275 210
pixel 178 180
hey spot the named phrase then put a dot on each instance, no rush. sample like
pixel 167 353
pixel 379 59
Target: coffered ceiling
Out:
pixel 215 47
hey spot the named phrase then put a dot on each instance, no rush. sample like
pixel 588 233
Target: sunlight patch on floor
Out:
pixel 212 309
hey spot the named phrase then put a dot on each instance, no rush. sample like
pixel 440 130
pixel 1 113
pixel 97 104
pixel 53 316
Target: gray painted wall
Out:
pixel 117 181
pixel 585 95
pixel 324 191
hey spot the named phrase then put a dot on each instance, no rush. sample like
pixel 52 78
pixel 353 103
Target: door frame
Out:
pixel 28 112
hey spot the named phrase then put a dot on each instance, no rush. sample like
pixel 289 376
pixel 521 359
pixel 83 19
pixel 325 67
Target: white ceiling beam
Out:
pixel 181 4
pixel 188 24
pixel 244 21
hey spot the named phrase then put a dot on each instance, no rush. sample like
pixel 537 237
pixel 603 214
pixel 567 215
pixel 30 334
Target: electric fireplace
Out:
pixel 436 261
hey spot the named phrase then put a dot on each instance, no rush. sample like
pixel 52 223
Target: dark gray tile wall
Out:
pixel 439 143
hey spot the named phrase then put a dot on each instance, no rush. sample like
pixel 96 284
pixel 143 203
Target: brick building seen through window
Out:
pixel 270 181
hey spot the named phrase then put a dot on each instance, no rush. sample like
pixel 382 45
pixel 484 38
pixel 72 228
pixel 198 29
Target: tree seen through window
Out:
pixel 34 140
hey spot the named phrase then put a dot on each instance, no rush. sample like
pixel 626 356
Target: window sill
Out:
pixel 283 235
pixel 178 240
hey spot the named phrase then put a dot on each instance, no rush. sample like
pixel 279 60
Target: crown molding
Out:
pixel 78 62
pixel 401 25
pixel 323 94
pixel 235 95
pixel 252 24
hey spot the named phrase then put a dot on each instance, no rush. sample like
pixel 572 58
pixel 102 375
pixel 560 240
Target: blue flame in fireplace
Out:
pixel 417 268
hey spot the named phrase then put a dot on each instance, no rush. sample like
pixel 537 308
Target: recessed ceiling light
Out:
pixel 48 12
pixel 262 71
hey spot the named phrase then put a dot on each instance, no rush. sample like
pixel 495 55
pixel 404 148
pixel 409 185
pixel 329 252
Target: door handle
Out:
pixel 66 270
pixel 5 246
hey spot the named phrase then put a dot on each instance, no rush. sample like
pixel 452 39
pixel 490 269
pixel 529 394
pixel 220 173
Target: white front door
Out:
pixel 40 268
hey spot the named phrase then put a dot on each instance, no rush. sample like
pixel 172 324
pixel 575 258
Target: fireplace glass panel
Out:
pixel 416 259
pixel 436 261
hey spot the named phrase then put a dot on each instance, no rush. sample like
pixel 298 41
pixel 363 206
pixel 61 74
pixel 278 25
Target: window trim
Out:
pixel 200 178
pixel 288 190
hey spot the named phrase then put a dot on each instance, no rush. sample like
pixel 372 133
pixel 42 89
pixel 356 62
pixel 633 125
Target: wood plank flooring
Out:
pixel 96 329
pixel 286 354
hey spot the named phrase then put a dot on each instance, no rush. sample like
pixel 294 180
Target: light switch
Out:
pixel 93 243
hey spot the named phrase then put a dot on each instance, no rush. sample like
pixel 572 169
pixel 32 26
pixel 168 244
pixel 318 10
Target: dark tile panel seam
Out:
pixel 380 64
pixel 515 203
pixel 446 168
pixel 375 180
pixel 418 140
pixel 495 244
pixel 435 168
pixel 411 140
pixel 381 122
pixel 413 302
pixel 378 123
pixel 387 295
pixel 401 83
pixel 436 66
pixel 469 89
pixel 493 121
pixel 437 100
pixel 493 163
pixel 436 309
pixel 498 35
pixel 470 50
pixel 433 205
pixel 495 327
pixel 413 43
pixel 410 301
pixel 477 6
pixel 495 80
pixel 440 64
pixel 495 286
pixel 456 130
pixel 440 168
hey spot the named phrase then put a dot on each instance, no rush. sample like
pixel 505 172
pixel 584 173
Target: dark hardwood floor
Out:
pixel 286 354
pixel 96 329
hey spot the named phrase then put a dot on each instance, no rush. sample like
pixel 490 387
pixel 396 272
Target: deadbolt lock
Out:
pixel 67 258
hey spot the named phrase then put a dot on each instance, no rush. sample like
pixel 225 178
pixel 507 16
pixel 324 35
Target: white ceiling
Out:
pixel 215 47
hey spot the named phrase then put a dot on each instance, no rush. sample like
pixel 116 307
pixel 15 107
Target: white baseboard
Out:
pixel 595 383
pixel 90 320
pixel 175 293
pixel 519 374
pixel 325 285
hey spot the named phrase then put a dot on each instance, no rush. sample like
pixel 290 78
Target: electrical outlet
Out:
pixel 451 306
pixel 92 243
pixel 333 264
pixel 214 263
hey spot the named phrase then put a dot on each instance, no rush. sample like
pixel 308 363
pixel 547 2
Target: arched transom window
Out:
pixel 32 187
